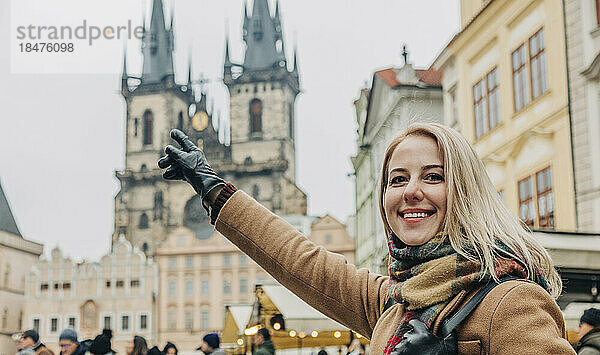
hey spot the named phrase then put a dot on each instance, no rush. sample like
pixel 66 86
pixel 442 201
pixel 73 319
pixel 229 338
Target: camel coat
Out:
pixel 516 317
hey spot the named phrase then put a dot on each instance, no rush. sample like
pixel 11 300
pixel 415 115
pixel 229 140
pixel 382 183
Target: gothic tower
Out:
pixel 147 207
pixel 262 95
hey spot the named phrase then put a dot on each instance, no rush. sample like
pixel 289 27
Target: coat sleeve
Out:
pixel 324 280
pixel 527 320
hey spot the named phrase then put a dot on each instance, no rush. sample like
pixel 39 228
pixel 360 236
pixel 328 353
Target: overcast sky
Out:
pixel 62 135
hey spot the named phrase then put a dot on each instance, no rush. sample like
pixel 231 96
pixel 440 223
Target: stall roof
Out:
pixel 298 314
pixel 241 314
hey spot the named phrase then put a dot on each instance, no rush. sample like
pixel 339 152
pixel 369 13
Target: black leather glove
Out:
pixel 189 164
pixel 419 340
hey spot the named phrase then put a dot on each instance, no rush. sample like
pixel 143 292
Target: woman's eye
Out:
pixel 434 177
pixel 397 180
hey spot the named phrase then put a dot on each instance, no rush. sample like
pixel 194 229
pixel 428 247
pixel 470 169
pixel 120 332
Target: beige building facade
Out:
pixel 17 255
pixel 119 293
pixel 200 277
pixel 505 83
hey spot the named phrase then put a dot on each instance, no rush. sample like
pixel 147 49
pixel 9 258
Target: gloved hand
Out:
pixel 419 340
pixel 189 164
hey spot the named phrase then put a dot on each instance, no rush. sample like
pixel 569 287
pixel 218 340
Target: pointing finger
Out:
pixel 183 140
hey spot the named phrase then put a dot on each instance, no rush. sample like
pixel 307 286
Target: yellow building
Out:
pixel 505 89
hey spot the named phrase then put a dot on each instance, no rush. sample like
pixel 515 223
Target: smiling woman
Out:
pixel 449 236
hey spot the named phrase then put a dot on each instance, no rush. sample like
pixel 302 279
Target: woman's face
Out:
pixel 415 197
pixel 129 347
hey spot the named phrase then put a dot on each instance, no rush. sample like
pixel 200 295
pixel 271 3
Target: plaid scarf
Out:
pixel 426 277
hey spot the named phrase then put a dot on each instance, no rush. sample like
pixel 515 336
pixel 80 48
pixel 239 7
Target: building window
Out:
pixel 255 116
pixel 66 286
pixel 145 247
pixel 226 259
pixel 486 103
pixel 520 74
pixel 172 263
pixel 597 12
pixel 243 259
pixel 189 261
pixel 226 287
pixel 148 118
pixel 144 221
pixel 56 286
pixel 36 324
pixel 545 198
pixel 255 192
pixel 4 318
pixel 243 286
pixel 44 287
pixel 328 238
pixel 204 288
pixel 189 287
pixel 53 325
pixel 171 319
pixel 107 284
pixel 143 321
pixel 125 323
pixel 135 283
pixel 537 60
pixel 189 320
pixel 291 119
pixel 107 322
pixel 529 68
pixel 205 261
pixel 172 288
pixel 120 283
pixel 158 205
pixel 204 320
pixel 136 124
pixel 180 121
pixel 536 204
pixel 71 323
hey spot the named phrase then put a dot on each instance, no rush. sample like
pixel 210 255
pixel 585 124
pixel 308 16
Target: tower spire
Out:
pixel 295 59
pixel 124 76
pixel 189 80
pixel 157 47
pixel 261 32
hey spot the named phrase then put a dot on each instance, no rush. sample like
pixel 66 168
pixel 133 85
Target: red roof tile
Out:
pixel 429 77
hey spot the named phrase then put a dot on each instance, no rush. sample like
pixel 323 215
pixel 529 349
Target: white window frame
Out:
pixel 41 318
pixel 58 324
pixel 138 322
pixel 72 315
pixel 112 320
pixel 120 321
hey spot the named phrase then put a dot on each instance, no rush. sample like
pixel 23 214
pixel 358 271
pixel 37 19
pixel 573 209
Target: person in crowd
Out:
pixel 589 333
pixel 30 344
pixel 449 235
pixel 356 348
pixel 263 343
pixel 155 351
pixel 136 346
pixel 170 349
pixel 68 343
pixel 211 345
pixel 322 352
pixel 101 345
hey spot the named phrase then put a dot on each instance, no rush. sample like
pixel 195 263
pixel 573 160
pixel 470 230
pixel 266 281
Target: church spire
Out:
pixel 157 47
pixel 295 60
pixel 189 80
pixel 124 76
pixel 261 33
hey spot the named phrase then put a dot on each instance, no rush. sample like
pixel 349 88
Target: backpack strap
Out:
pixel 452 322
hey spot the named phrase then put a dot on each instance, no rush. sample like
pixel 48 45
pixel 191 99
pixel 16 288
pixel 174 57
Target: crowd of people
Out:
pixel 68 341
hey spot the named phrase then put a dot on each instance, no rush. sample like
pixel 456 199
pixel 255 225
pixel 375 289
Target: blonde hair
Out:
pixel 476 218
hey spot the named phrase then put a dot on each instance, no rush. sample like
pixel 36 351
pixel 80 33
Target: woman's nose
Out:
pixel 412 191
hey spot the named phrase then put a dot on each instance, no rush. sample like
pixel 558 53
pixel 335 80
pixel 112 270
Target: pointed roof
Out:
pixel 157 47
pixel 261 32
pixel 7 221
